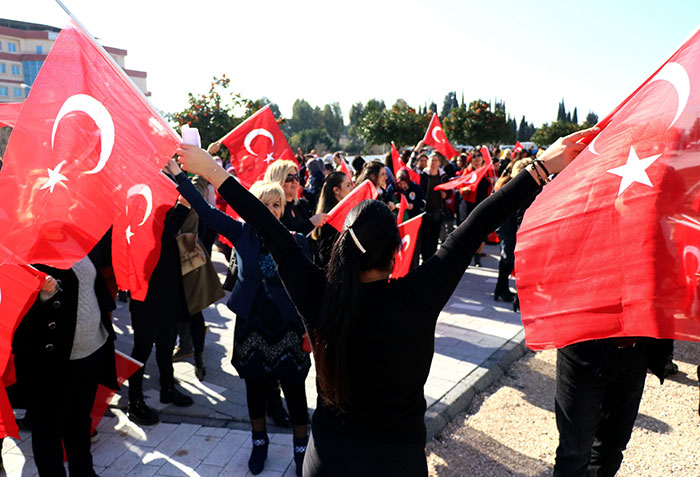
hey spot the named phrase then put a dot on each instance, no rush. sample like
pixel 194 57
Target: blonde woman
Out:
pixel 268 336
pixel 297 215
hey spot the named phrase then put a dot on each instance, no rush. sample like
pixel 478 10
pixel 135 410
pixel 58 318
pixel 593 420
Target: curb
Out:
pixel 457 399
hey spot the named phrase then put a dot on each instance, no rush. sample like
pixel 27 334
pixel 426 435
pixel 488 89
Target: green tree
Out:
pixel 332 121
pixel 477 124
pixel 591 119
pixel 401 124
pixel 561 113
pixel 574 116
pixel 214 113
pixel 303 117
pixel 449 103
pixel 511 131
pixel 432 108
pixel 549 133
pixel 311 139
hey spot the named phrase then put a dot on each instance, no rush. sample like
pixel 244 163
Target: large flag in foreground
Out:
pixel 336 216
pixel 255 144
pixel 612 246
pixel 85 136
pixel 9 112
pixel 435 137
pixel 19 286
pixel 136 235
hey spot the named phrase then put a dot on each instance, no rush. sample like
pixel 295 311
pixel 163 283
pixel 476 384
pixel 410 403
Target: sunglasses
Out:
pixel 292 177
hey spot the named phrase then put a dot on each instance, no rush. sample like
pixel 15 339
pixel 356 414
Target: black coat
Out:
pixel 43 340
pixel 165 301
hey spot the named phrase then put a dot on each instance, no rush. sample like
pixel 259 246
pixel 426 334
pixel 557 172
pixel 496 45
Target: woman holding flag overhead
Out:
pixel 374 337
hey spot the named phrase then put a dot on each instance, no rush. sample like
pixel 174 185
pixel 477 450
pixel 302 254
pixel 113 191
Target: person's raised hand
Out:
pixel 50 285
pixel 172 167
pixel 199 162
pixel 214 147
pixel 319 219
pixel 183 201
pixel 565 149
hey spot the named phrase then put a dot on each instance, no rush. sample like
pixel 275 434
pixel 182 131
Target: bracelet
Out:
pixel 539 177
pixel 538 162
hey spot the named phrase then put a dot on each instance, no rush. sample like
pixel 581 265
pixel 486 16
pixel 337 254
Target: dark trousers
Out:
pixel 295 394
pixel 595 409
pixel 429 234
pixel 60 406
pixel 148 331
pixel 192 332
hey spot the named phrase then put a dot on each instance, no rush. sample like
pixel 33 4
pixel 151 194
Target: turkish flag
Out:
pixel 255 144
pixel 137 232
pixel 336 217
pixel 9 112
pixel 470 178
pixel 435 137
pixel 344 169
pixel 409 234
pixel 126 366
pixel 518 147
pixel 85 136
pixel 398 164
pixel 611 247
pixel 403 206
pixel 19 287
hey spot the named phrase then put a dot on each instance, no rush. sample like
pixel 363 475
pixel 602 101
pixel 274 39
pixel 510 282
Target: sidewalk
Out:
pixel 476 339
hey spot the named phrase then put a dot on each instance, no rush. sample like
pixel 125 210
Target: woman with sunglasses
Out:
pixel 297 213
pixel 373 337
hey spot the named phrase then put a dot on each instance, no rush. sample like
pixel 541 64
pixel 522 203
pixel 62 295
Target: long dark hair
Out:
pixel 374 226
pixel 326 199
pixel 370 171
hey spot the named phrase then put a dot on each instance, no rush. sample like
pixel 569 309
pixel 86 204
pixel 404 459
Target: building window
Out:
pixel 12 47
pixel 15 70
pixel 18 92
pixel 3 68
pixel 3 90
pixel 39 49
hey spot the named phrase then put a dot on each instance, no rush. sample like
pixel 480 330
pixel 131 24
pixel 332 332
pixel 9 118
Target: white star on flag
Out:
pixel 55 177
pixel 634 170
pixel 129 234
pixel 269 158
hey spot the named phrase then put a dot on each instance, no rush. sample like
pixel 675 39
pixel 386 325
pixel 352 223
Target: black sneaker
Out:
pixel 170 394
pixel 141 414
pixel 258 454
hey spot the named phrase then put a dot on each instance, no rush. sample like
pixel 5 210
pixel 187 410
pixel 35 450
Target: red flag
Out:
pixel 71 157
pixel 435 137
pixel 472 178
pixel 255 144
pixel 336 217
pixel 403 206
pixel 126 366
pixel 409 234
pixel 19 287
pixel 9 112
pixel 610 247
pixel 518 147
pixel 344 169
pixel 398 164
pixel 136 236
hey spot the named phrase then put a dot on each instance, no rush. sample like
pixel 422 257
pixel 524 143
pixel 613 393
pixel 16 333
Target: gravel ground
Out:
pixel 510 429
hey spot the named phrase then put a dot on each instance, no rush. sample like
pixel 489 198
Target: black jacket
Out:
pixel 43 340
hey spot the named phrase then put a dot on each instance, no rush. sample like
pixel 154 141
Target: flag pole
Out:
pixel 115 65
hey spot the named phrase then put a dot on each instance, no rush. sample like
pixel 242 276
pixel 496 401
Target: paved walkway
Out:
pixel 475 340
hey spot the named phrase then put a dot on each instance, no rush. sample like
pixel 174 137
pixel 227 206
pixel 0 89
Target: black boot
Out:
pixel 258 454
pixel 141 414
pixel 502 290
pixel 477 260
pixel 199 370
pixel 170 394
pixel 300 444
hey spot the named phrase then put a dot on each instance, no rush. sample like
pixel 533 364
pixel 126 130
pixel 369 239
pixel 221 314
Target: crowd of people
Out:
pixel 299 286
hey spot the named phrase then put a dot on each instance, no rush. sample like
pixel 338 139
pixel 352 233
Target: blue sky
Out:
pixel 529 54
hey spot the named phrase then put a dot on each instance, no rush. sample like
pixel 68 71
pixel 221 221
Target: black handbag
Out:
pixel 231 273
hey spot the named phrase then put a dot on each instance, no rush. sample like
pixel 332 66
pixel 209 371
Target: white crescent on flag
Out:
pixel 96 110
pixel 255 133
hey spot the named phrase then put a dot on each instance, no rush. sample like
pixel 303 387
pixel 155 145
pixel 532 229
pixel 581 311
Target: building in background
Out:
pixel 23 49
